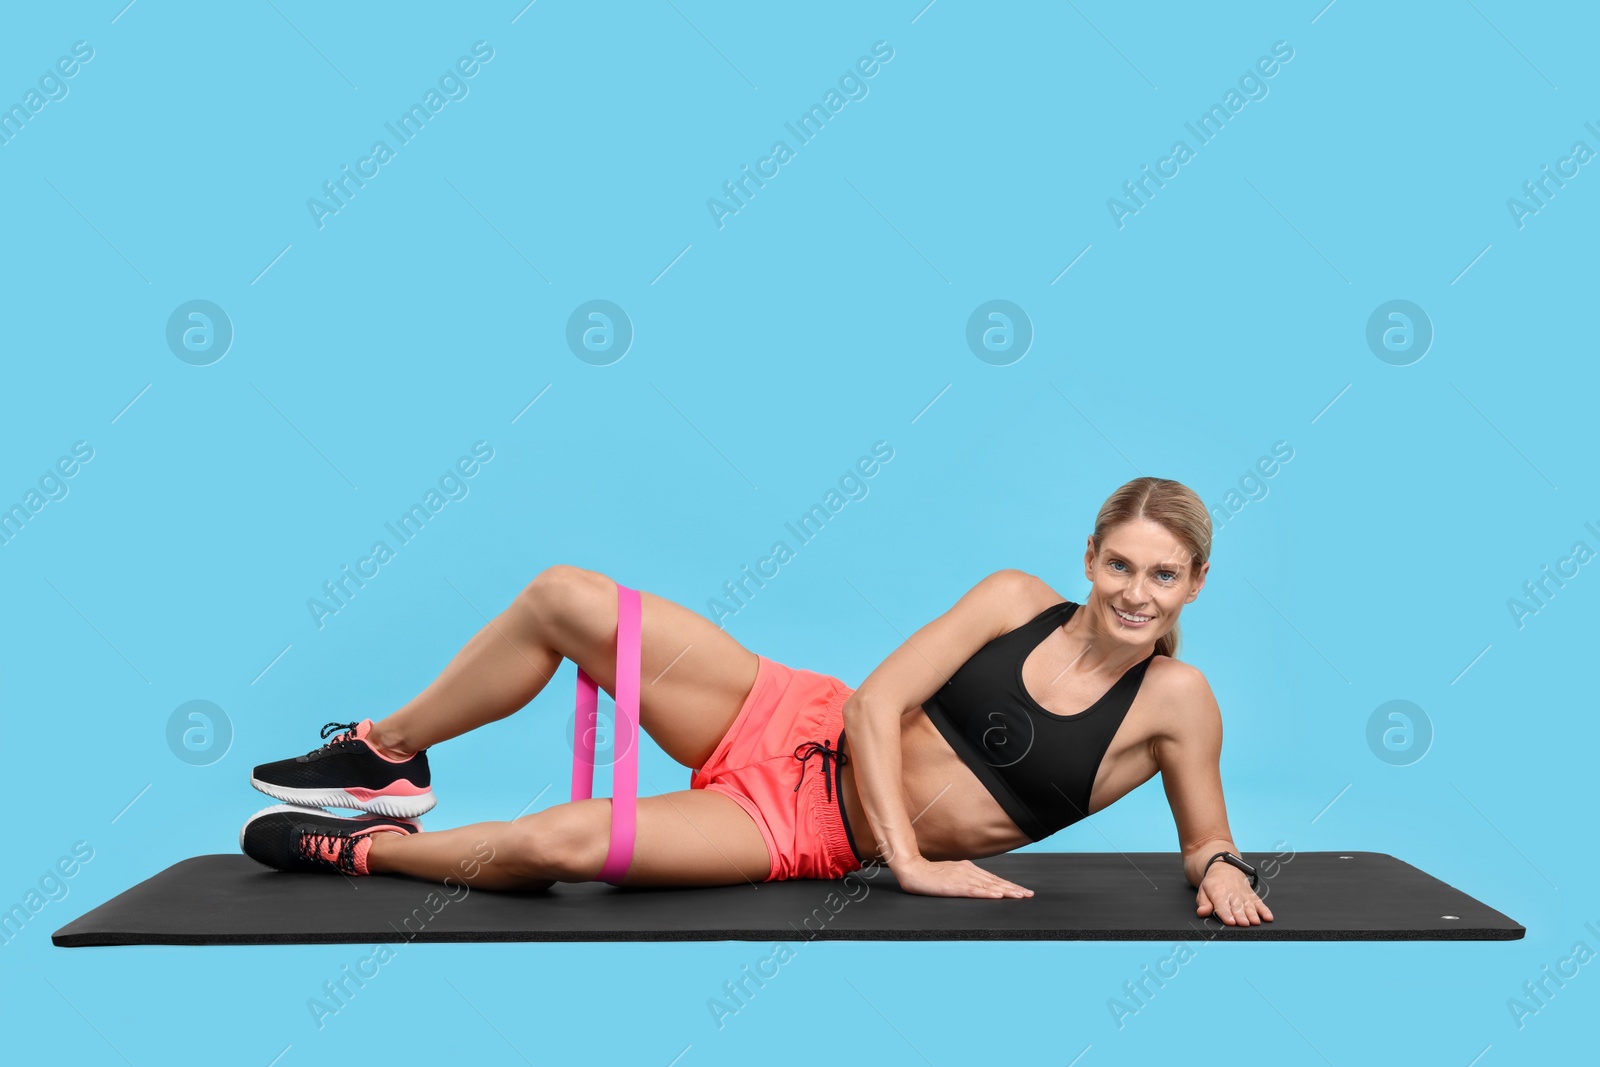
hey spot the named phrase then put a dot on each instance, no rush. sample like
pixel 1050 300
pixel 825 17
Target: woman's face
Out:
pixel 1142 578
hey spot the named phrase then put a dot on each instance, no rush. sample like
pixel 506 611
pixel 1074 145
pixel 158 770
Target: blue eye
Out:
pixel 1167 576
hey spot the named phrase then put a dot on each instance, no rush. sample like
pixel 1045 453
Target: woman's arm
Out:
pixel 911 674
pixel 1189 754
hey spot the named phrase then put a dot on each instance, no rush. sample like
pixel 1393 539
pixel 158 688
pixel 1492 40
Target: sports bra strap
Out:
pixel 625 769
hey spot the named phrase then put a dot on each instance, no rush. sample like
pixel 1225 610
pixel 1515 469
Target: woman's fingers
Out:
pixel 957 878
pixel 1245 911
pixel 991 884
pixel 1233 910
pixel 1256 910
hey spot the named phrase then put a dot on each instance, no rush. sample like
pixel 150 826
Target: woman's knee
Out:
pixel 562 595
pixel 567 842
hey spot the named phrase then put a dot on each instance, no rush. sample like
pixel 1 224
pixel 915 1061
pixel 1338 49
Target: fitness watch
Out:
pixel 1232 861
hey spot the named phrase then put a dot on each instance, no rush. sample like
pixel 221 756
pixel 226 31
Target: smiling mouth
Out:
pixel 1131 618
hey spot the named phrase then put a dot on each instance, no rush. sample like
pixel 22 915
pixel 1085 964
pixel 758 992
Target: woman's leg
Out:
pixel 691 838
pixel 693 677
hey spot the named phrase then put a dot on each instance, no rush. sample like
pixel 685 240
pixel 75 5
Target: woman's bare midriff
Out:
pixel 953 814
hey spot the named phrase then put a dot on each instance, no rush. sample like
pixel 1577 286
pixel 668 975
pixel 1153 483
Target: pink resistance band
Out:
pixel 625 769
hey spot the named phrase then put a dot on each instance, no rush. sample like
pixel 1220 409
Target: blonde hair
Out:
pixel 1171 505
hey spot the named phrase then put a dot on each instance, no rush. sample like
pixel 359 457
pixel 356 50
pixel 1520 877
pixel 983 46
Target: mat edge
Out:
pixel 608 936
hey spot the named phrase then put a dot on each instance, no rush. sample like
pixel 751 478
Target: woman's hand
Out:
pixel 953 878
pixel 1226 891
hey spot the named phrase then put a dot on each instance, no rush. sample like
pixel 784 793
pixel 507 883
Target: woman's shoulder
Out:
pixel 1009 597
pixel 1177 670
pixel 1181 692
pixel 1016 580
pixel 1026 592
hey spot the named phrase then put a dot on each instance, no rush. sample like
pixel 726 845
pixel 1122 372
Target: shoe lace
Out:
pixel 349 729
pixel 316 845
pixel 328 745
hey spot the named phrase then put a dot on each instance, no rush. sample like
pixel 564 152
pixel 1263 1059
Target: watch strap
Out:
pixel 1233 861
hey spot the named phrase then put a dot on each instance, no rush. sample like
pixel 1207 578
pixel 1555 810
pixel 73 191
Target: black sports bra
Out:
pixel 1038 765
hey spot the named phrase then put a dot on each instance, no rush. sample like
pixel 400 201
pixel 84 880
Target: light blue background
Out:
pixel 1228 314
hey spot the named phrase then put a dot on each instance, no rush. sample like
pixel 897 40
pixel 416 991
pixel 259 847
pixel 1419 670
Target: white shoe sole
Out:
pixel 395 807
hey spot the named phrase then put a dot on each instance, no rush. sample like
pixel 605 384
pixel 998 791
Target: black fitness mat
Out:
pixel 1078 896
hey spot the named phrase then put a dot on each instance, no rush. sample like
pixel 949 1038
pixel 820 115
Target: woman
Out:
pixel 1012 715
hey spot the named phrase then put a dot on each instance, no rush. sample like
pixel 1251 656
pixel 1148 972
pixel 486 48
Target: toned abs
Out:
pixel 959 819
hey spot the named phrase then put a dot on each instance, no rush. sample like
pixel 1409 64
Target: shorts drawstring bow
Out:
pixel 805 751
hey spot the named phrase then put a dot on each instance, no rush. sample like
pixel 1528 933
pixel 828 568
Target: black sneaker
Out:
pixel 292 838
pixel 348 772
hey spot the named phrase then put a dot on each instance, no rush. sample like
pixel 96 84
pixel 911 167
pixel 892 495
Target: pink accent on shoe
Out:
pixel 361 732
pixel 401 787
pixel 361 844
pixel 358 852
pixel 329 847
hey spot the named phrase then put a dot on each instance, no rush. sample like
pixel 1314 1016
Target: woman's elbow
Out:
pixel 862 707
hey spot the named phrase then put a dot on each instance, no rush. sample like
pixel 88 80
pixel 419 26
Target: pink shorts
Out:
pixel 785 735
